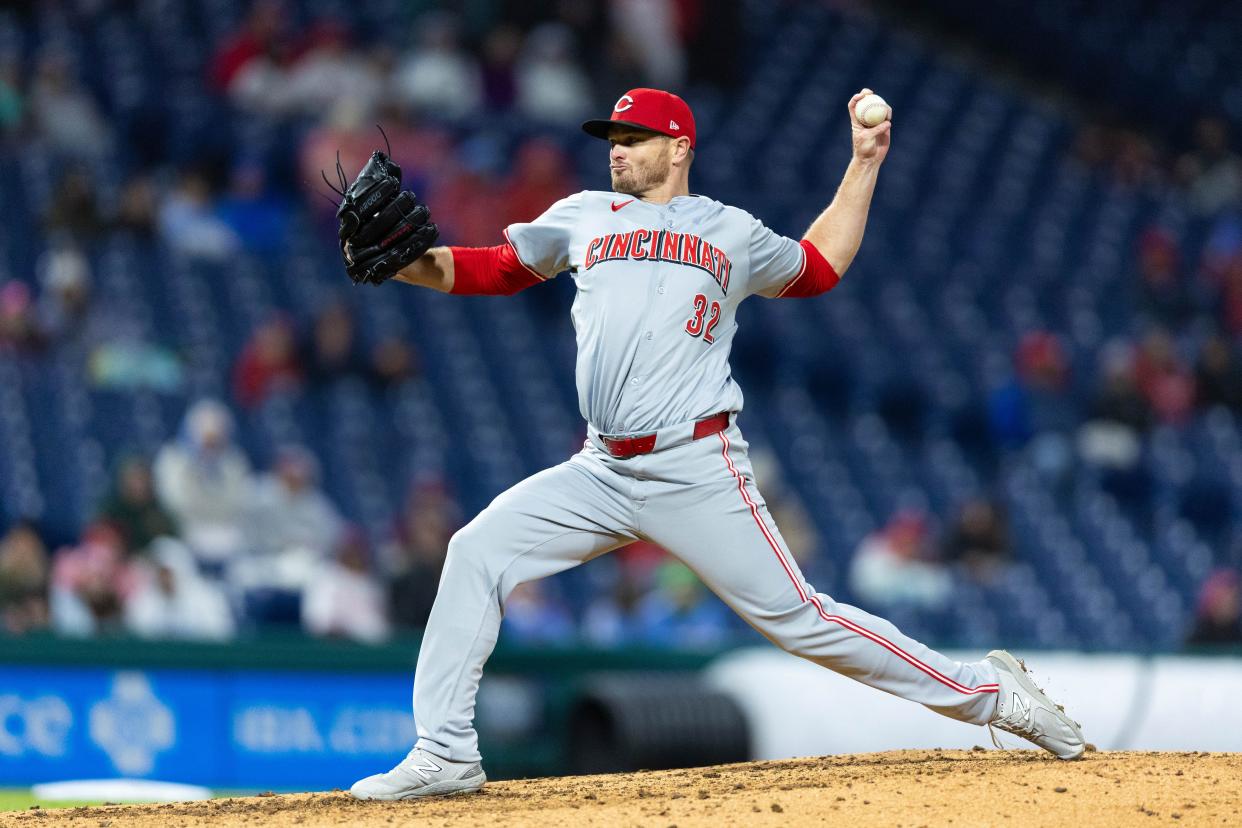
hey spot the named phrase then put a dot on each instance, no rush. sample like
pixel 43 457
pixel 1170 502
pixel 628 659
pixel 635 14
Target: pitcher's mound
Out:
pixel 902 788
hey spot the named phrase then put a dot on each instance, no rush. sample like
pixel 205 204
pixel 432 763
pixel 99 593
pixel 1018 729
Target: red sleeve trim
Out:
pixel 815 277
pixel 533 272
pixel 490 271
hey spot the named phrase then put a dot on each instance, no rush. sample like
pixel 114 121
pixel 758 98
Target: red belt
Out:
pixel 631 446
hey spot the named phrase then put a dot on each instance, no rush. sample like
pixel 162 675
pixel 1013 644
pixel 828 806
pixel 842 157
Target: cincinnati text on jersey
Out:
pixel 661 246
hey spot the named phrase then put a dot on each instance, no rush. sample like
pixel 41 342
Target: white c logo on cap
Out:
pixel 623 103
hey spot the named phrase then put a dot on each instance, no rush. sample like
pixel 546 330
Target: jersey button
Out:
pixel 634 381
pixel 649 334
pixel 660 289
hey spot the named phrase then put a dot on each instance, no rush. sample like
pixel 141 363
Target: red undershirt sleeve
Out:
pixel 817 276
pixel 490 271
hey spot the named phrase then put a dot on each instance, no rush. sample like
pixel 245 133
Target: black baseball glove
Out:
pixel 383 228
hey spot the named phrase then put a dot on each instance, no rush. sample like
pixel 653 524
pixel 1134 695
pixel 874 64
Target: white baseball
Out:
pixel 872 110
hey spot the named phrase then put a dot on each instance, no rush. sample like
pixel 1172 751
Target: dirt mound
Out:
pixel 903 788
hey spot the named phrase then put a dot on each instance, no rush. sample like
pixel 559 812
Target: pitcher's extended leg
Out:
pixel 545 524
pixel 734 546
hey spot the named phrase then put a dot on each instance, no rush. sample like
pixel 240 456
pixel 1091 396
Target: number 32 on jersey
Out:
pixel 696 326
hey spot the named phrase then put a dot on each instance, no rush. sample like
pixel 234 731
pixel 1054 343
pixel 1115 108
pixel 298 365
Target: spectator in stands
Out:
pixel 1164 290
pixel 712 30
pixel 91 583
pixel 333 350
pixel 1029 406
pixel 73 214
pixel 652 33
pixel 263 26
pixel 978 540
pixel 612 619
pixel 136 208
pixel 466 192
pixel 261 86
pixel 12 101
pixel 393 360
pixel 1008 405
pixel 66 307
pixel 787 510
pixel 416 557
pixel 1222 248
pixel 551 87
pixel 680 612
pixel 1134 159
pixel 1118 417
pixel 891 567
pixel 1218 377
pixel 130 363
pixel 533 616
pixel 439 78
pixel 63 111
pixel 1043 370
pixel 189 225
pixel 292 515
pixel 1163 379
pixel 344 600
pixel 1212 172
pixel 257 215
pixel 204 480
pixel 1228 300
pixel 1219 616
pixel 133 509
pixel 268 364
pixel 501 47
pixel 328 72
pixel 23 581
pixel 172 600
pixel 542 174
pixel 19 324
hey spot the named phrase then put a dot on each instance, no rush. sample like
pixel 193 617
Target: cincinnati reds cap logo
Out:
pixel 623 103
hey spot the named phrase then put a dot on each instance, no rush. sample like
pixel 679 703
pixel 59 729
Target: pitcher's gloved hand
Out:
pixel 382 227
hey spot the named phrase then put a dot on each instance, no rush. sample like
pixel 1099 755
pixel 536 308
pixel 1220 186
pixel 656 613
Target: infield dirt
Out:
pixel 903 788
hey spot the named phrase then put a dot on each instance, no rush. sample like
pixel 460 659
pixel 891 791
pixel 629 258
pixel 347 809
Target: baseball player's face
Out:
pixel 639 161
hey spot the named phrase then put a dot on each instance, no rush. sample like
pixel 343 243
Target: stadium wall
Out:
pixel 279 712
pixel 1124 702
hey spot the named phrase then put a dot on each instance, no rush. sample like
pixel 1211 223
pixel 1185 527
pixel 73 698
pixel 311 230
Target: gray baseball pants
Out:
pixel 697 500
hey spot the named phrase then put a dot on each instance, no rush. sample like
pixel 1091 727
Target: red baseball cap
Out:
pixel 651 109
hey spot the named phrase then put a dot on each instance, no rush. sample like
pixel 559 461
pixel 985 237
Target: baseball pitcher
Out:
pixel 659 274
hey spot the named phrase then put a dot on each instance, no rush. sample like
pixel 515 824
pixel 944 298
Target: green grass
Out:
pixel 20 799
pixel 13 800
pixel 17 799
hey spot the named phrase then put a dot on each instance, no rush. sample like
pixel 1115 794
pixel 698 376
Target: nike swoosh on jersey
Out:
pixel 616 206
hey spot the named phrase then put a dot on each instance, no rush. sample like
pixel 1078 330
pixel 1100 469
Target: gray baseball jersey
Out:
pixel 658 287
pixel 658 290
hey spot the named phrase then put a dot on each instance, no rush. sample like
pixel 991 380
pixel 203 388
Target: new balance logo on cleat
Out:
pixel 1020 706
pixel 425 767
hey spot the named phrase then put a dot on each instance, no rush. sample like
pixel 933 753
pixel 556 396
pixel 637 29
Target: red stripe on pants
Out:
pixel 837 619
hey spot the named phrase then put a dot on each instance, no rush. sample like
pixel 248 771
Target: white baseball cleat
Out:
pixel 1023 710
pixel 421 774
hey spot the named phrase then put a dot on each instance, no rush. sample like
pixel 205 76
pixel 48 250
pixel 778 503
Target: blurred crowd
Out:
pixel 196 544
